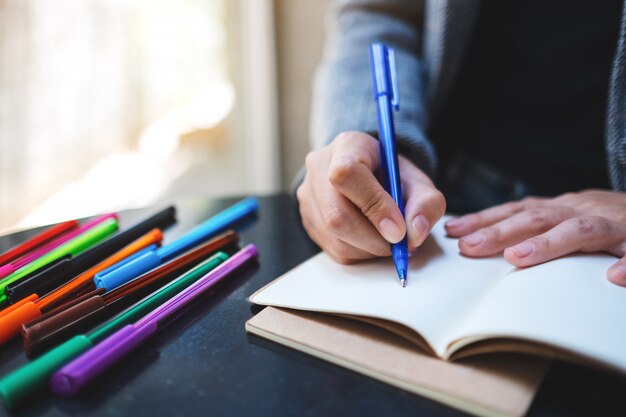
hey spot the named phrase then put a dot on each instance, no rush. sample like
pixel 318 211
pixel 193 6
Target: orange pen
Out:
pixel 12 318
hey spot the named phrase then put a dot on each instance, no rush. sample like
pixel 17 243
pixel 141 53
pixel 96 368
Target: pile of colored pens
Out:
pixel 83 296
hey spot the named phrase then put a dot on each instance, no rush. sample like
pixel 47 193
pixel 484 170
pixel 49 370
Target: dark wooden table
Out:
pixel 205 364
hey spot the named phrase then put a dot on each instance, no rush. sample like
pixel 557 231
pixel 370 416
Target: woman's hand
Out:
pixel 536 230
pixel 346 210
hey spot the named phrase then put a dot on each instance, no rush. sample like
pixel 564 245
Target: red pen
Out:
pixel 36 241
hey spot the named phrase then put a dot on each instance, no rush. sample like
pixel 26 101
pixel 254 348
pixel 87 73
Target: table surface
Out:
pixel 206 364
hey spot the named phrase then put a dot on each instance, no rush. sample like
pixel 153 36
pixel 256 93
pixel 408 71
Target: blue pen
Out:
pixel 124 271
pixel 385 86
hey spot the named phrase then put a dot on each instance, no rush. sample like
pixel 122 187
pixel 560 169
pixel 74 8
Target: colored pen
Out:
pixel 45 281
pixel 19 385
pixel 12 318
pixel 29 258
pixel 385 87
pixel 75 375
pixel 14 266
pixel 41 270
pixel 221 221
pixel 37 240
pixel 72 247
pixel 68 320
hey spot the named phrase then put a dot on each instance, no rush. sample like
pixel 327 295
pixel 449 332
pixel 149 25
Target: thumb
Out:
pixel 425 205
pixel 617 272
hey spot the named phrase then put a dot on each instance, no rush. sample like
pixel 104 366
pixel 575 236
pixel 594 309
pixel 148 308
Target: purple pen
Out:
pixel 70 379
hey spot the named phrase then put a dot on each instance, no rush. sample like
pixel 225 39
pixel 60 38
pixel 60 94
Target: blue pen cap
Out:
pixel 384 73
pixel 216 224
pixel 149 248
pixel 130 270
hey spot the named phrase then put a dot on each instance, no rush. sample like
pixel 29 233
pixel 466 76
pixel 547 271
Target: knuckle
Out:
pixel 542 243
pixel 344 137
pixel 335 219
pixel 526 202
pixel 587 225
pixel 342 170
pixel 436 199
pixel 569 195
pixel 537 218
pixel 494 234
pixel 374 206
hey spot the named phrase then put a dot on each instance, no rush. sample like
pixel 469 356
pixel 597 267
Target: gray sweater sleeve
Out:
pixel 342 93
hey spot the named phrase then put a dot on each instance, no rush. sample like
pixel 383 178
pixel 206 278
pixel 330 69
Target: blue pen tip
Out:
pixel 402 276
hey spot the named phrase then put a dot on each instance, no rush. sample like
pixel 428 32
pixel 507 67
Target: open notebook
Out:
pixel 455 307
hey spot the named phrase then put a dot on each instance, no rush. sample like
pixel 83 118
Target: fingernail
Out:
pixel 456 223
pixel 523 249
pixel 473 239
pixel 420 227
pixel 390 230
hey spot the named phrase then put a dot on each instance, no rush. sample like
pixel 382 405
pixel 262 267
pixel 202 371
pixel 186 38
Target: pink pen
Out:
pixel 10 268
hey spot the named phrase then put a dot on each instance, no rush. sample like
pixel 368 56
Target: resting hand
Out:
pixel 346 210
pixel 536 230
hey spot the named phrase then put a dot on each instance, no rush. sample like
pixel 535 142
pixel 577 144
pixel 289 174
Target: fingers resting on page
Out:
pixel 348 213
pixel 346 210
pixel 536 230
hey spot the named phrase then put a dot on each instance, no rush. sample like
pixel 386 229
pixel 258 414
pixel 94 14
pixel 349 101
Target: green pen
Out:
pixel 73 247
pixel 21 383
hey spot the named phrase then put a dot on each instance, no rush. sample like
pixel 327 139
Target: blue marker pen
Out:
pixel 385 87
pixel 124 271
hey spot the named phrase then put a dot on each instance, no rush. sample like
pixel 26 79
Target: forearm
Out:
pixel 343 93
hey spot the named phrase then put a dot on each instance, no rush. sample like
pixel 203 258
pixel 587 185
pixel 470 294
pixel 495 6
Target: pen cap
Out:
pixel 90 257
pixel 129 270
pixel 76 374
pixel 84 282
pixel 384 73
pixel 177 265
pixel 12 307
pixel 6 270
pixel 34 329
pixel 23 287
pixel 44 333
pixel 11 323
pixel 19 385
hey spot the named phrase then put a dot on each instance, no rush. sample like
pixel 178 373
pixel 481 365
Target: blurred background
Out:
pixel 116 104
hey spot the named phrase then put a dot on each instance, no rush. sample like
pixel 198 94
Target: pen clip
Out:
pixel 393 78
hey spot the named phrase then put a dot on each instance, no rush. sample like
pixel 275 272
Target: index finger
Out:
pixel 353 163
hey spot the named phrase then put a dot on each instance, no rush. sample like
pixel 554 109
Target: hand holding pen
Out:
pixel 346 210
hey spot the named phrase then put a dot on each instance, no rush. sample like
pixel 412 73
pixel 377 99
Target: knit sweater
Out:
pixel 430 38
